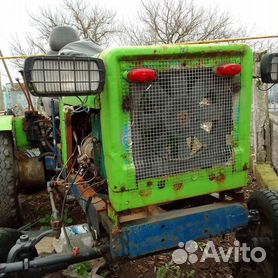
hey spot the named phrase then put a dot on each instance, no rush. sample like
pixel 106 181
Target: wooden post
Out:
pixel 260 119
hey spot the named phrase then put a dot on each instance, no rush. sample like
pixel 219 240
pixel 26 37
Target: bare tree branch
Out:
pixel 169 21
pixel 91 21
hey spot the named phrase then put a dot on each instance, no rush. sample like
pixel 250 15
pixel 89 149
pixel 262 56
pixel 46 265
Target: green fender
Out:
pixel 6 123
pixel 16 126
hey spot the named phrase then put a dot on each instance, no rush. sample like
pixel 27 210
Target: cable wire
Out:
pixel 265 90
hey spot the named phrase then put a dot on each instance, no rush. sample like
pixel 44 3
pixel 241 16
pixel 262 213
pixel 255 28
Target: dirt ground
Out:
pixel 37 207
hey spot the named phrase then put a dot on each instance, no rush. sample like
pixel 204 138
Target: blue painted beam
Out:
pixel 166 230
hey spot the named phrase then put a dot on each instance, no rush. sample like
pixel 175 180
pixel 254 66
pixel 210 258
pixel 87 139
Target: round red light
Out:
pixel 142 75
pixel 228 70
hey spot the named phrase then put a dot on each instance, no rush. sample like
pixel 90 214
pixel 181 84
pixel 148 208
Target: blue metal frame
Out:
pixel 166 230
pixel 50 163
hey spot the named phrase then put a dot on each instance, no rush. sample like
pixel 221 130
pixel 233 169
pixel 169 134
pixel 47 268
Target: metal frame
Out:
pixel 164 230
pixel 127 193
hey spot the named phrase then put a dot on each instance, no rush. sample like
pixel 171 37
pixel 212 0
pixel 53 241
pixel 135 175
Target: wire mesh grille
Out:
pixel 184 120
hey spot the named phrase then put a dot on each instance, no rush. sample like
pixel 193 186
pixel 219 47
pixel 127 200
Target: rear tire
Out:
pixel 9 206
pixel 8 238
pixel 262 231
pixel 266 203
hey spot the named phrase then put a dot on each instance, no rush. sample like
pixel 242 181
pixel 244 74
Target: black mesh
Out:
pixel 183 121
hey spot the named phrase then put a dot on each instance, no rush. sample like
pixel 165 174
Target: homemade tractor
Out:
pixel 153 142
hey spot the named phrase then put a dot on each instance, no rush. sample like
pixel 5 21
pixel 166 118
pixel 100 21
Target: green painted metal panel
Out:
pixel 125 190
pixel 6 123
pixel 63 132
pixel 16 126
pixel 90 101
pixel 21 140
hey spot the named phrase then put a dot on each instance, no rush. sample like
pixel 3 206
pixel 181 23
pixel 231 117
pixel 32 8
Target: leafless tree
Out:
pixel 268 45
pixel 91 21
pixel 168 21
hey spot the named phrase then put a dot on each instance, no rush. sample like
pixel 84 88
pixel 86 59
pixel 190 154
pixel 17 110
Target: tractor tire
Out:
pixel 266 203
pixel 8 238
pixel 9 206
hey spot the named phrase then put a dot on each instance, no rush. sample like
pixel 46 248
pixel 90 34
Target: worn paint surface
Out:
pixel 15 125
pixel 6 123
pixel 119 166
pixel 165 231
pixel 20 135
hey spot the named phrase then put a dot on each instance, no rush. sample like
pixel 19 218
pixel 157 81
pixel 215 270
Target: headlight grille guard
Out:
pixel 80 73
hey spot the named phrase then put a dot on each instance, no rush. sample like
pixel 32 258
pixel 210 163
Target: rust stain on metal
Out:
pixel 211 177
pixel 149 183
pixel 178 186
pixel 245 167
pixel 86 191
pixel 220 178
pixel 30 172
pixel 116 231
pixel 145 193
pixel 114 246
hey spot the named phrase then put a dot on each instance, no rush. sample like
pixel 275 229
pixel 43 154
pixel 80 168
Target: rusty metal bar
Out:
pixel 229 40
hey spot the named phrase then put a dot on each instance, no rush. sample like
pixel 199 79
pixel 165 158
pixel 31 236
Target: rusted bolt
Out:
pixel 149 183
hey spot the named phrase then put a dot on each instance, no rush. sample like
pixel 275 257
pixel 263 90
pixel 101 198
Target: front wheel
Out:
pixel 9 207
pixel 263 231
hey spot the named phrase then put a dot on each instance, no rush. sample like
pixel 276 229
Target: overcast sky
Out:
pixel 260 17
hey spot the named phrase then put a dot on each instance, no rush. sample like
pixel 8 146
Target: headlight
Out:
pixel 269 68
pixel 64 76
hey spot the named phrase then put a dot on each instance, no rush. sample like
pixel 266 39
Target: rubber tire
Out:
pixel 9 206
pixel 266 201
pixel 8 238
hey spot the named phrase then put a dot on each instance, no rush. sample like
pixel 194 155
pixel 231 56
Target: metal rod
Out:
pixel 52 262
pixel 20 57
pixel 229 40
pixel 54 132
pixel 191 42
pixel 55 212
pixel 6 68
pixel 27 95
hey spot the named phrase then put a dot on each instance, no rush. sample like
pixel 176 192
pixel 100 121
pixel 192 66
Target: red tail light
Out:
pixel 142 75
pixel 228 70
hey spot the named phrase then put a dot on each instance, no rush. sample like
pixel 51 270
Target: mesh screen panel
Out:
pixel 184 120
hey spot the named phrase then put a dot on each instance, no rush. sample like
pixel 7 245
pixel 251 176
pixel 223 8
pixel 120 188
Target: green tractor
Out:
pixel 154 144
